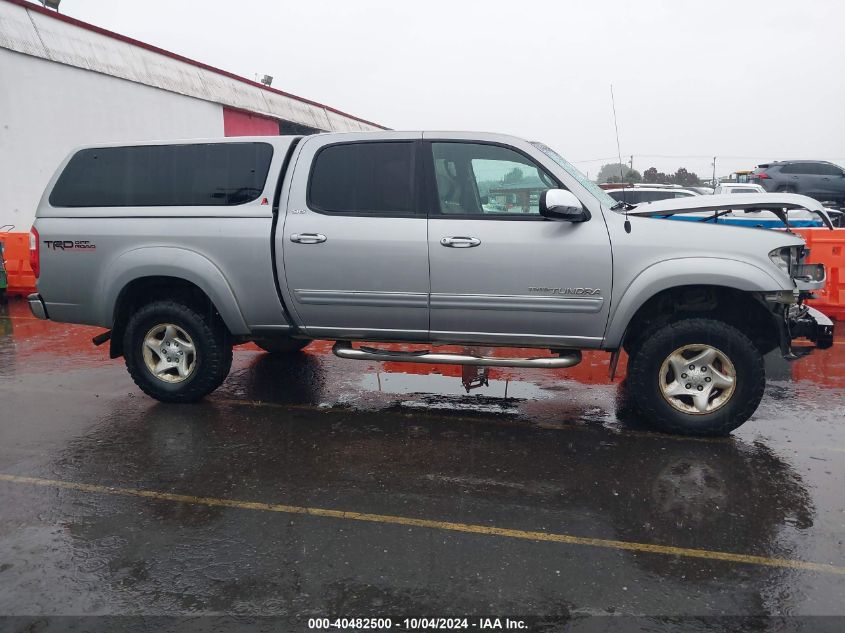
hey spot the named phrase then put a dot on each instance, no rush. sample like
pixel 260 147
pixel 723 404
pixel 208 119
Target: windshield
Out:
pixel 570 169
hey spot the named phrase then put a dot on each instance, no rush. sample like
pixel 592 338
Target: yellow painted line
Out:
pixel 466 528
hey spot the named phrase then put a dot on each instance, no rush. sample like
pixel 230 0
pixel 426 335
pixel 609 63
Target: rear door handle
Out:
pixel 308 238
pixel 460 242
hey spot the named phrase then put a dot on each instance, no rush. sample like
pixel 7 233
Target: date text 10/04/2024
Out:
pixel 424 623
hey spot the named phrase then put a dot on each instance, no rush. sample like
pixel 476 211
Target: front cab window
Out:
pixel 487 180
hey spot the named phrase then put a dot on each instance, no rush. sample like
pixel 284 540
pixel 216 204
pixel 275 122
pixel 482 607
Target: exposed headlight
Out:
pixel 785 258
pixel 809 272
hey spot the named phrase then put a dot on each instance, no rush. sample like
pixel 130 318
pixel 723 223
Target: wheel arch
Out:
pixel 143 290
pixel 142 275
pixel 170 263
pixel 727 289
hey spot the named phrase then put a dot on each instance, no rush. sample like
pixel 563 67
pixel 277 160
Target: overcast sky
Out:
pixel 745 81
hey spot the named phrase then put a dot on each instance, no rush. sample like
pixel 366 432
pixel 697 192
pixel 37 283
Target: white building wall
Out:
pixel 48 108
pixel 35 33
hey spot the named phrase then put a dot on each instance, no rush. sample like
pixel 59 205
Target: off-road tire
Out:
pixel 283 345
pixel 656 346
pixel 212 347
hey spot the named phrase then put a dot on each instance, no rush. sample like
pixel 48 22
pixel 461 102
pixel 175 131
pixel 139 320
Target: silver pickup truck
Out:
pixel 182 249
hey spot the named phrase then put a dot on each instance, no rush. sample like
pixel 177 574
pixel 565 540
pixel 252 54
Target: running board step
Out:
pixel 344 349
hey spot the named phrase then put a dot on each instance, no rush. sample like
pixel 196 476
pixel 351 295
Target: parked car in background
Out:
pixel 738 187
pixel 638 194
pixel 755 218
pixel 821 180
pixel 704 191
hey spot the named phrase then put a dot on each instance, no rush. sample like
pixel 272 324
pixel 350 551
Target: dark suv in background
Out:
pixel 815 178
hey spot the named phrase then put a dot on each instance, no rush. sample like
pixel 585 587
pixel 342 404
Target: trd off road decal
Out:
pixel 70 245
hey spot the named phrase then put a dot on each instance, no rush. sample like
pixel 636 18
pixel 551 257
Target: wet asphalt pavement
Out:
pixel 454 488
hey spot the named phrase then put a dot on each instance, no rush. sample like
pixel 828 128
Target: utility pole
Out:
pixel 714 171
pixel 632 162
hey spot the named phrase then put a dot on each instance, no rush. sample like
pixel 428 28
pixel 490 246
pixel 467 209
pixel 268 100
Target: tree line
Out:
pixel 617 172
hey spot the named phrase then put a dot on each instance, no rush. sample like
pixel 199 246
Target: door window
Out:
pixel 364 179
pixel 804 169
pixel 487 180
pixel 827 169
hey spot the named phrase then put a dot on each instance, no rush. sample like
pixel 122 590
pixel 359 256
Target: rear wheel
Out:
pixel 284 345
pixel 175 354
pixel 696 377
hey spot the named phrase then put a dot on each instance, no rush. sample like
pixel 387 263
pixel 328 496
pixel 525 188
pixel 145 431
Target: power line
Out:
pixel 702 156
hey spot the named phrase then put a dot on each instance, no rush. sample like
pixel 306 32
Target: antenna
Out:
pixel 619 153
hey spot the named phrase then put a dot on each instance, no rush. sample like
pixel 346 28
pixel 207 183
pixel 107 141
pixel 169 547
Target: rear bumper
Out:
pixel 36 306
pixel 808 323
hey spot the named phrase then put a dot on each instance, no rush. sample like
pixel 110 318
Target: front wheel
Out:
pixel 697 377
pixel 174 353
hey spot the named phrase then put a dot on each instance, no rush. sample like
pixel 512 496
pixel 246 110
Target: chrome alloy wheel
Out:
pixel 697 379
pixel 169 353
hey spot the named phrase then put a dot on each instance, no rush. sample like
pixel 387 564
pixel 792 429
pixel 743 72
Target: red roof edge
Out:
pixel 155 49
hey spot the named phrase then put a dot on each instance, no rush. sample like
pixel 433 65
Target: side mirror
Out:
pixel 562 205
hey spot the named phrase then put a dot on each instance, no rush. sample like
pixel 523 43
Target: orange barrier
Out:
pixel 16 256
pixel 828 248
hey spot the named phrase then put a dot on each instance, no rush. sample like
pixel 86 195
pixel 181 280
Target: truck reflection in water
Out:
pixel 553 450
pixel 724 495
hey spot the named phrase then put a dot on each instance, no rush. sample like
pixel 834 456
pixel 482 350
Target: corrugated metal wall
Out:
pixel 41 33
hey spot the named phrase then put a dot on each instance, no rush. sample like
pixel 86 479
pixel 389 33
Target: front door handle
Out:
pixel 460 242
pixel 308 238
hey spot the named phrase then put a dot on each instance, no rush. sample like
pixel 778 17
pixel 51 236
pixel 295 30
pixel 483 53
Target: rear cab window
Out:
pixel 206 174
pixel 365 178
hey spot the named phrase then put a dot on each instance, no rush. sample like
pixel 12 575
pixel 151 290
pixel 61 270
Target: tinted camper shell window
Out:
pixel 206 174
